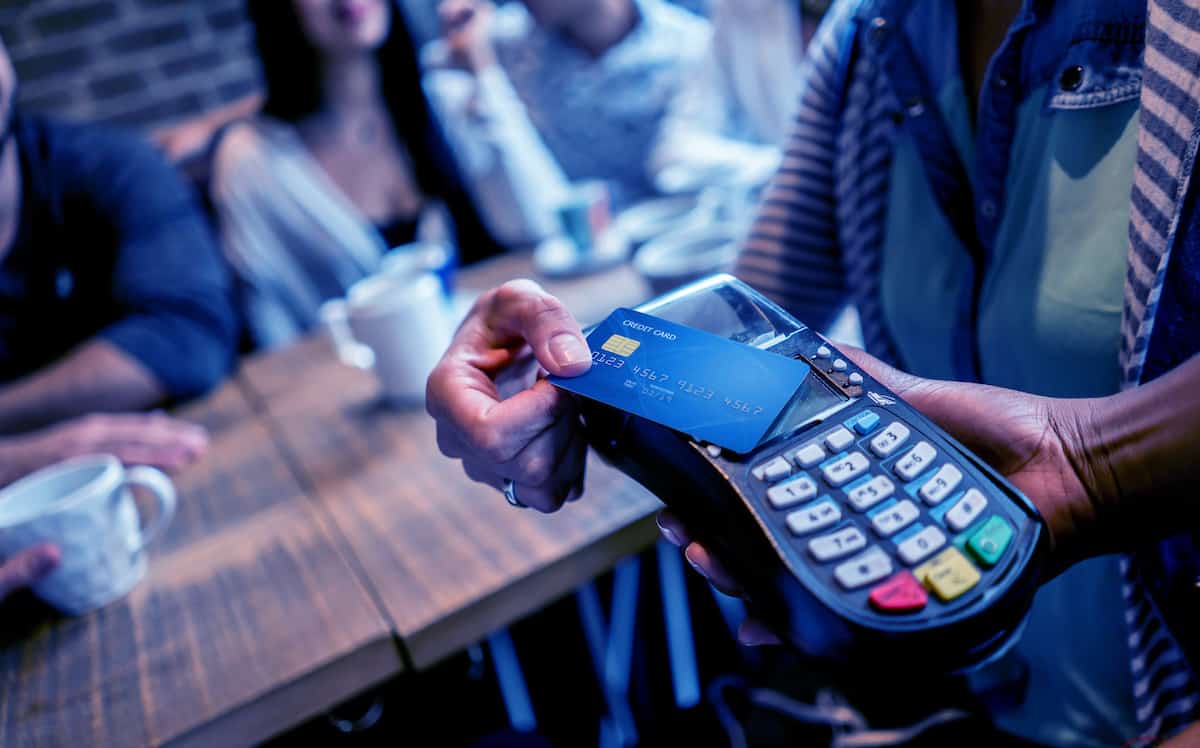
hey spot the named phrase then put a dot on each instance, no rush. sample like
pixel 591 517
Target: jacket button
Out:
pixel 1071 78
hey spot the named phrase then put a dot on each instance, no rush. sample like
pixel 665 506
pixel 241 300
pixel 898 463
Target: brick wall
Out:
pixel 144 63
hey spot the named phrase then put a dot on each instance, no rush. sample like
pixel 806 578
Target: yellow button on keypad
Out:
pixel 948 574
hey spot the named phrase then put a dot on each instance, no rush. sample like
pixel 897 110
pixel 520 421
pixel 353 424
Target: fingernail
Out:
pixel 753 634
pixel 699 569
pixel 569 350
pixel 754 639
pixel 670 535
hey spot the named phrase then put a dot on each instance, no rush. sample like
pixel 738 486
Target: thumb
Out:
pixel 895 380
pixel 978 415
pixel 942 401
pixel 27 567
pixel 521 310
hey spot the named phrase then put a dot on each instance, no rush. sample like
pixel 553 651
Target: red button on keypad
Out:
pixel 900 594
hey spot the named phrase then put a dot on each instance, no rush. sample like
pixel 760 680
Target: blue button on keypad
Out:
pixel 866 422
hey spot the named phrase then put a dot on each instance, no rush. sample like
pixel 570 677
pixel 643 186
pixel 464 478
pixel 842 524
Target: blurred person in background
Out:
pixel 730 119
pixel 113 296
pixel 343 162
pixel 539 94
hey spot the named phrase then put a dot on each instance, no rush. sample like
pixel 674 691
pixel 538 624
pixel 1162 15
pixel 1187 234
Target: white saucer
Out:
pixel 652 218
pixel 557 257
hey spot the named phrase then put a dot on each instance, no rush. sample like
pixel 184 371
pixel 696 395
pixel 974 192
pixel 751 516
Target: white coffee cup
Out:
pixel 84 506
pixel 395 323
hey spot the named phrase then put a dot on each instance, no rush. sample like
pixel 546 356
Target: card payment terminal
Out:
pixel 860 529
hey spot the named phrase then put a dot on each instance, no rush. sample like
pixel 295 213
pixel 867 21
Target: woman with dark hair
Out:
pixel 343 162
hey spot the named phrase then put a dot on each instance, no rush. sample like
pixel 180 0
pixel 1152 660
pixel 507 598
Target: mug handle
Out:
pixel 335 313
pixel 160 485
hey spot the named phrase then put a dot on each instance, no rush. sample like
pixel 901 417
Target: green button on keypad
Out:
pixel 990 541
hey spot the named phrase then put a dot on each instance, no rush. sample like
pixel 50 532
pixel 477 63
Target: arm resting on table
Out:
pixel 96 377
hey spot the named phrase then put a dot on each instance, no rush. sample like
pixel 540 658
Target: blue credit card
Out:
pixel 712 389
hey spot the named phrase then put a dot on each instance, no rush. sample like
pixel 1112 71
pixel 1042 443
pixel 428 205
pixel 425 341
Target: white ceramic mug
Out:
pixel 395 323
pixel 84 506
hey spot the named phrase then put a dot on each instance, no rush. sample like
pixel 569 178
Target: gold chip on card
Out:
pixel 620 345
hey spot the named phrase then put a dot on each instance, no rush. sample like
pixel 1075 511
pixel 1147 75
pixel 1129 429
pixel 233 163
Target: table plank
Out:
pixel 448 558
pixel 251 618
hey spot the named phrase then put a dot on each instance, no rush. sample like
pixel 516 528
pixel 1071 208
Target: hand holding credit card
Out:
pixel 712 389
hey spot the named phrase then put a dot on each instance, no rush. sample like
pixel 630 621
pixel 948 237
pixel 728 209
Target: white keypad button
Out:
pixel 839 365
pixel 809 455
pixel 890 439
pixel 842 471
pixel 813 518
pixel 922 544
pixel 839 440
pixel 966 511
pixel 896 518
pixel 713 451
pixel 773 470
pixel 837 544
pixel 869 567
pixel 792 492
pixel 916 461
pixel 937 488
pixel 824 352
pixel 856 378
pixel 866 495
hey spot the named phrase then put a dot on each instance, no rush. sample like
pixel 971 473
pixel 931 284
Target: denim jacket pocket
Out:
pixel 1095 73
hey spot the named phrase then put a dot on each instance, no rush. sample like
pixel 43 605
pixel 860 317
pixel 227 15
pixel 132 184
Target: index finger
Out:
pixel 521 311
pixel 152 428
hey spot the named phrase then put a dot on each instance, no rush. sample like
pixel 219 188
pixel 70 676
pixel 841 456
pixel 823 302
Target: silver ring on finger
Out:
pixel 510 493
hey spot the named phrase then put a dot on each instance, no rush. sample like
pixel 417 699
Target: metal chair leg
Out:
pixel 512 682
pixel 681 648
pixel 611 649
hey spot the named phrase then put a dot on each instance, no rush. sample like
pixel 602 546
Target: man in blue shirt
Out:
pixel 112 298
pixel 112 294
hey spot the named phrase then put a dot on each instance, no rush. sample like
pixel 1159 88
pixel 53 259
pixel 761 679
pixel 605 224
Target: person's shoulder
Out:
pixel 246 152
pixel 256 135
pixel 63 141
pixel 84 157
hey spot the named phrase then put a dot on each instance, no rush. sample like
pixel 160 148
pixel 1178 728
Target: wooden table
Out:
pixel 448 559
pixel 250 619
pixel 321 546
